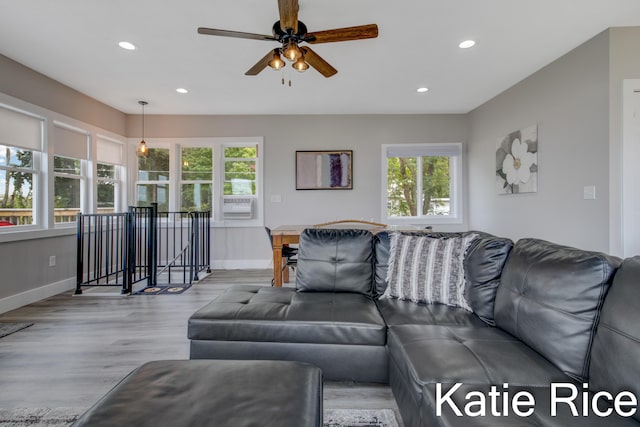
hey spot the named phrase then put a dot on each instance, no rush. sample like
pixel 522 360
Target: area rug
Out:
pixel 9 328
pixel 56 417
pixel 163 290
pixel 40 417
pixel 359 418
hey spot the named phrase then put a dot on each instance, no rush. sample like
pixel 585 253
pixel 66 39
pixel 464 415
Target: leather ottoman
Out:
pixel 221 393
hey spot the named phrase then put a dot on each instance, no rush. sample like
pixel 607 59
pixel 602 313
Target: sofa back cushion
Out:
pixel 382 244
pixel 616 345
pixel 483 266
pixel 335 261
pixel 550 297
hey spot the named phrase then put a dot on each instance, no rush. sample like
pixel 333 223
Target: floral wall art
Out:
pixel 517 162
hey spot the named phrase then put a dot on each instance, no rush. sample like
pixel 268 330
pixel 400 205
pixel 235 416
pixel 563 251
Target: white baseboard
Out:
pixel 241 264
pixel 37 294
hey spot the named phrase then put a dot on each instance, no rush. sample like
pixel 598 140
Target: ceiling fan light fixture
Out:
pixel 291 51
pixel 301 65
pixel 276 63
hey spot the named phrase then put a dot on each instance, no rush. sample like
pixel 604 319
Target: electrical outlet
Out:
pixel 52 261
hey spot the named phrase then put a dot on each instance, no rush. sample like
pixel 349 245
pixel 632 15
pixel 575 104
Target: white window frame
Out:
pixel 218 144
pixel 82 178
pixel 34 171
pixel 171 182
pixel 115 156
pixel 37 147
pixel 116 180
pixel 455 152
pixel 181 181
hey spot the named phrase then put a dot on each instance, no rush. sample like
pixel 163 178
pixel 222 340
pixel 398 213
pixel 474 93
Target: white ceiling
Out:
pixel 76 43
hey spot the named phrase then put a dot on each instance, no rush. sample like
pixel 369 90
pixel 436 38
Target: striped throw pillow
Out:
pixel 425 269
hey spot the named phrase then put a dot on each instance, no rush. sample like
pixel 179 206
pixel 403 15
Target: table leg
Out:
pixel 277 260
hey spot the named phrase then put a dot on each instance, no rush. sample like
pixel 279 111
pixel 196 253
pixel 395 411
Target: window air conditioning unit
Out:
pixel 238 208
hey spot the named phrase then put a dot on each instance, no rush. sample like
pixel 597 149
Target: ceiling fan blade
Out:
pixel 317 62
pixel 236 34
pixel 360 32
pixel 288 15
pixel 260 65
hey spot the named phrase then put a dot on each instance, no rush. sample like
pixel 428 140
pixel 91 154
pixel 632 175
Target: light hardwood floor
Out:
pixel 80 346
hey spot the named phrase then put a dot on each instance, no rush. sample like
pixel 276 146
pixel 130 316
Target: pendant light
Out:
pixel 143 150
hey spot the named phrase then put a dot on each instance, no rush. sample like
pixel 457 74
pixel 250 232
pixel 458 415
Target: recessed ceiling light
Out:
pixel 181 90
pixel 423 89
pixel 467 44
pixel 127 45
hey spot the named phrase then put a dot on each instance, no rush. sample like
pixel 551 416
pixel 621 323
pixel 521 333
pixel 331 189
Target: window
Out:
pixel 240 170
pixel 422 183
pixel 108 175
pixel 21 136
pixel 16 186
pixel 221 175
pixel 153 179
pixel 196 186
pixel 67 173
pixel 108 186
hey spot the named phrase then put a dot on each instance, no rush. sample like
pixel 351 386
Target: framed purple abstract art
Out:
pixel 324 170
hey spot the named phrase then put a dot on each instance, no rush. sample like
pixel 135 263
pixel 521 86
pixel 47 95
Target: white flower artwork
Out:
pixel 517 162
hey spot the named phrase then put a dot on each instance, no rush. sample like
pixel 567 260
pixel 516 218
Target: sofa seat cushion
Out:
pixel 398 312
pixel 541 415
pixel 266 314
pixel 550 297
pixel 430 354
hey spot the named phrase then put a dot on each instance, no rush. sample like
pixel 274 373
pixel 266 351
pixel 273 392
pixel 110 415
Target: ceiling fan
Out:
pixel 291 33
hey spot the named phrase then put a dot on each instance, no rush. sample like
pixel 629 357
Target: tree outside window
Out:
pixel 422 183
pixel 418 186
pixel 16 186
pixel 240 170
pixel 196 179
pixel 67 188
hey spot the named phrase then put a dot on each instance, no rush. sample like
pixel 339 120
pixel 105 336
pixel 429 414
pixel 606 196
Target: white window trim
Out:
pixel 457 186
pixel 43 169
pixel 217 143
pixel 35 172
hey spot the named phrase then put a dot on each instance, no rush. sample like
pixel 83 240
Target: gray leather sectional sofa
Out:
pixel 553 339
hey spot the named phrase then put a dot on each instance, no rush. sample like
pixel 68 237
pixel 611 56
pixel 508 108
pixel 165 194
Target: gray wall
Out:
pixel 569 101
pixel 25 275
pixel 24 83
pixel 283 135
pixel 25 267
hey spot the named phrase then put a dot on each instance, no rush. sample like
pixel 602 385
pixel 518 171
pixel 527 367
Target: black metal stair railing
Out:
pixel 143 244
